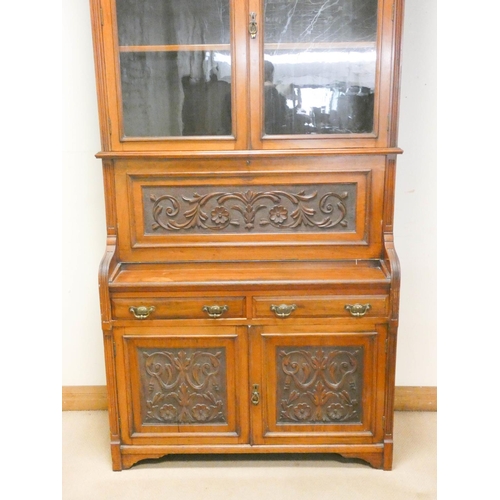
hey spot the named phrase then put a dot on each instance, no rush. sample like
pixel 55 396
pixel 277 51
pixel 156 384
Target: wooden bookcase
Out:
pixel 250 285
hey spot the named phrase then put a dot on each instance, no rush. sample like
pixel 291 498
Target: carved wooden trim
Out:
pixel 94 398
pixel 183 386
pixel 260 209
pixel 319 385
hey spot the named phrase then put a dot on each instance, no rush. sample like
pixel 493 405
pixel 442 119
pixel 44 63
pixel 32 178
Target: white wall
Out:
pixel 415 217
pixel 84 225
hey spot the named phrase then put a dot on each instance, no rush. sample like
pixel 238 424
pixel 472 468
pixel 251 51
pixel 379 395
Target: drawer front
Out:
pixel 201 210
pixel 178 308
pixel 321 306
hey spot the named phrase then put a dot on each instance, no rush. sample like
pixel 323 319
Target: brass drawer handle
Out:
pixel 255 395
pixel 215 311
pixel 142 312
pixel 283 310
pixel 358 310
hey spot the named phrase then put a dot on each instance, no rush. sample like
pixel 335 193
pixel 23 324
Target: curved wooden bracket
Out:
pixel 106 268
pixel 391 260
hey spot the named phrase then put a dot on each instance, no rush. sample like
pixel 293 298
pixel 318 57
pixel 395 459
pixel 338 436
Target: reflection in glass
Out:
pixel 175 66
pixel 172 22
pixel 163 97
pixel 318 21
pixel 320 65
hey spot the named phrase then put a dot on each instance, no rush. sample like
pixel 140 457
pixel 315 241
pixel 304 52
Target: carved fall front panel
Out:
pixel 183 386
pixel 318 385
pixel 255 209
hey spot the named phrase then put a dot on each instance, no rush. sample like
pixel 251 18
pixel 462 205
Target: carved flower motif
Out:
pixel 302 411
pixel 336 411
pixel 201 412
pixel 168 412
pixel 278 214
pixel 220 215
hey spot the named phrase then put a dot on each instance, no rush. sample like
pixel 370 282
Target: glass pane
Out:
pixel 320 65
pixel 175 65
pixel 176 93
pixel 172 22
pixel 318 21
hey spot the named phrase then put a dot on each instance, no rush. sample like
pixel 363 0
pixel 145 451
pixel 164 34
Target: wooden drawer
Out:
pixel 178 308
pixel 321 306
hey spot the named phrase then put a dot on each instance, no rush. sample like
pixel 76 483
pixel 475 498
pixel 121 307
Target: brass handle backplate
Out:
pixel 252 27
pixel 215 311
pixel 255 395
pixel 358 310
pixel 283 310
pixel 142 312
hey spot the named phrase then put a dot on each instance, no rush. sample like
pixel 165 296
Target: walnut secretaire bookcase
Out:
pixel 250 286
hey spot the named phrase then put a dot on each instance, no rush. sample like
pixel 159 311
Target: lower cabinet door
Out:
pixel 317 385
pixel 183 385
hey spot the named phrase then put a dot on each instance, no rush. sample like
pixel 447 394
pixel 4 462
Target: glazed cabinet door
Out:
pixel 173 71
pixel 317 386
pixel 320 71
pixel 182 385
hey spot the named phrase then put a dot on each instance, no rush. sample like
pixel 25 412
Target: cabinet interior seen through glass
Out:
pixel 176 67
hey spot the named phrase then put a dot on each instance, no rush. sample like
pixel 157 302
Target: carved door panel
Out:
pixel 317 386
pixel 183 385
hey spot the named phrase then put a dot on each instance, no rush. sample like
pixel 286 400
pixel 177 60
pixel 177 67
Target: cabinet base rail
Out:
pixel 379 456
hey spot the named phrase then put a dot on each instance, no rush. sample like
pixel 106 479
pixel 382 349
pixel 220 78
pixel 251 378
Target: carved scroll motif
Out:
pixel 183 386
pixel 259 210
pixel 322 385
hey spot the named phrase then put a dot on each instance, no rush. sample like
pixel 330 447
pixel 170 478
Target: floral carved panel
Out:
pixel 183 386
pixel 255 209
pixel 318 385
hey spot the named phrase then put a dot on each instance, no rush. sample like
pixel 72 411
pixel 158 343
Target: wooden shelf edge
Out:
pixel 246 154
pixel 94 397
